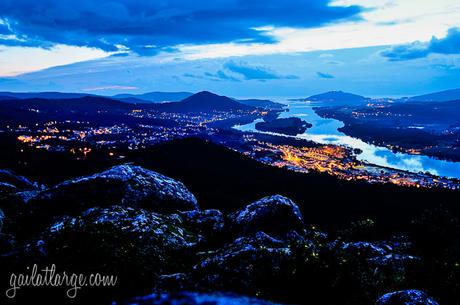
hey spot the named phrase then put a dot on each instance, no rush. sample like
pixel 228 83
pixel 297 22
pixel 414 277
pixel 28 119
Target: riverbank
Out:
pixel 327 131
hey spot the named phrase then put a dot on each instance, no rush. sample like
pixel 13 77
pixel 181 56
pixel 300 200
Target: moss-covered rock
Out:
pixel 406 297
pixel 208 223
pixel 244 265
pixel 17 181
pixel 275 215
pixel 124 185
pixel 133 244
pixel 15 188
pixel 2 217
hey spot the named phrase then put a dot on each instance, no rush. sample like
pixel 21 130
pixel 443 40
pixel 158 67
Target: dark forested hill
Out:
pixel 338 98
pixel 203 102
pixel 91 108
pixel 227 180
pixel 441 96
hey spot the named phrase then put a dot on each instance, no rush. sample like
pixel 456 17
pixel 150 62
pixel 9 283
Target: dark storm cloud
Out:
pixel 447 45
pixel 250 72
pixel 217 76
pixel 145 26
pixel 221 75
pixel 324 75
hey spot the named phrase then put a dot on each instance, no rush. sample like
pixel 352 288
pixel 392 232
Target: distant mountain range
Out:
pixel 164 97
pixel 72 103
pixel 204 101
pixel 145 98
pixel 88 108
pixel 340 98
pixel 42 95
pixel 441 96
pixel 153 97
pixel 81 104
pixel 150 97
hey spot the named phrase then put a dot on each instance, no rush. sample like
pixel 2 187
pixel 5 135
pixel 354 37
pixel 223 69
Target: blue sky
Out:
pixel 233 47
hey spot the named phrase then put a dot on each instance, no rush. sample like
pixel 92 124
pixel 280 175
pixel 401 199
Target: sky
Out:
pixel 242 48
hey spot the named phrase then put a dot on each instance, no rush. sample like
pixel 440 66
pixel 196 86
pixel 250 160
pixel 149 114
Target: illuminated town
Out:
pixel 340 162
pixel 81 138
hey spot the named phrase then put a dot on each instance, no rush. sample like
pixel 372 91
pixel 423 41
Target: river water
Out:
pixel 324 131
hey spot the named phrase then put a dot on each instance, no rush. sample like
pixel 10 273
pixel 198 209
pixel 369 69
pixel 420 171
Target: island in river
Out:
pixel 288 126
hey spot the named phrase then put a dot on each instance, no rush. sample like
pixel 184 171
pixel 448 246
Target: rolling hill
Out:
pixel 90 108
pixel 42 95
pixel 266 104
pixel 441 96
pixel 338 98
pixel 204 101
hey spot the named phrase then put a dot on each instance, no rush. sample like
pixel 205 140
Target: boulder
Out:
pixel 15 191
pixel 134 244
pixel 207 223
pixel 365 249
pixel 242 265
pixel 2 217
pixel 393 270
pixel 164 231
pixel 124 185
pixel 191 298
pixel 406 297
pixel 174 282
pixel 19 182
pixel 7 188
pixel 373 268
pixel 394 260
pixel 276 215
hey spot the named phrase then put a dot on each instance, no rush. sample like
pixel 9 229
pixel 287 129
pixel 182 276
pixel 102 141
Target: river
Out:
pixel 325 131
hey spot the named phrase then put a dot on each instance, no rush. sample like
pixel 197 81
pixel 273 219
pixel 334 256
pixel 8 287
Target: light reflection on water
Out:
pixel 324 131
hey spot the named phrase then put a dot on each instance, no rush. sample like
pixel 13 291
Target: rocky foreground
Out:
pixel 148 230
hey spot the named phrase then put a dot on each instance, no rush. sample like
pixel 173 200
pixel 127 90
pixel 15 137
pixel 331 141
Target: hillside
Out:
pixel 43 95
pixel 262 104
pixel 441 96
pixel 41 110
pixel 203 102
pixel 225 179
pixel 338 98
pixel 119 220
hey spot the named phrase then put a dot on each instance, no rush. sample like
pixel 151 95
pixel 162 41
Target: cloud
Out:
pixel 217 76
pixel 255 72
pixel 324 75
pixel 333 62
pixel 145 27
pixel 190 75
pixel 221 75
pixel 447 45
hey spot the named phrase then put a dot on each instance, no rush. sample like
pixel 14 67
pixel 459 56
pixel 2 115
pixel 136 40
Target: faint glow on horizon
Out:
pixel 18 60
pixel 113 87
